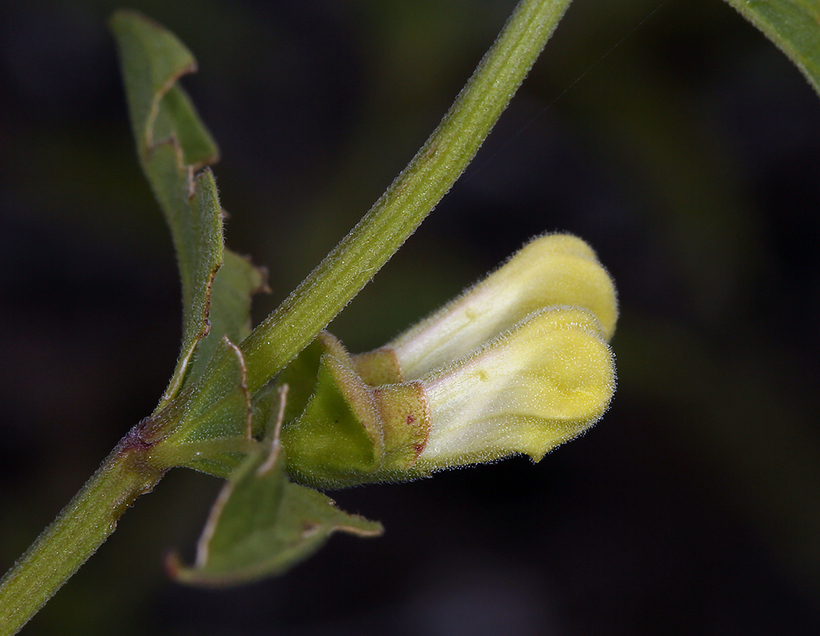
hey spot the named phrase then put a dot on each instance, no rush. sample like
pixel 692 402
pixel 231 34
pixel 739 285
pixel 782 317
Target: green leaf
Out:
pixel 213 429
pixel 261 525
pixel 176 117
pixel 234 285
pixel 172 143
pixel 152 60
pixel 793 25
pixel 198 225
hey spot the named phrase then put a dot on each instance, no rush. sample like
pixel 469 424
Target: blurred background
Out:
pixel 688 156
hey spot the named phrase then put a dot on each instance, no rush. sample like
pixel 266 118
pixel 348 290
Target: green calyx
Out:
pixel 349 431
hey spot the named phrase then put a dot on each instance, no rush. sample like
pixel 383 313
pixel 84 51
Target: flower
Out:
pixel 518 364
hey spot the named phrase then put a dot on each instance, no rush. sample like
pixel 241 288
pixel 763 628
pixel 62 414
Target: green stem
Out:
pixel 409 199
pixel 75 534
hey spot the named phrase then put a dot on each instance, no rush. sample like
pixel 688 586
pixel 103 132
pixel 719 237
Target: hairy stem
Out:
pixel 82 526
pixel 409 199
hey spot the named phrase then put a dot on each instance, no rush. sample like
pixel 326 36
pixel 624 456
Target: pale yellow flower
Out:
pixel 518 364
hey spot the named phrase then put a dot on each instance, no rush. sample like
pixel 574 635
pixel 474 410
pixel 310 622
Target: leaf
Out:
pixel 152 60
pixel 216 418
pixel 177 117
pixel 262 524
pixel 793 25
pixel 172 143
pixel 198 240
pixel 235 283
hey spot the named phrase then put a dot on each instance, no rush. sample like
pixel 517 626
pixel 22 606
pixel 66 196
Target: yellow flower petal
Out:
pixel 554 270
pixel 543 383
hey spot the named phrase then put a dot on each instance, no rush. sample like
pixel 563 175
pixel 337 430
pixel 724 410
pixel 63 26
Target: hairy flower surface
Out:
pixel 552 270
pixel 527 391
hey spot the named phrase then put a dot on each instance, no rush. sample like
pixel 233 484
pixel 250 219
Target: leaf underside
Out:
pixel 262 524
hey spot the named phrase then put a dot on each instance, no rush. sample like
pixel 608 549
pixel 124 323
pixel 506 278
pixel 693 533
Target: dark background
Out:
pixel 688 156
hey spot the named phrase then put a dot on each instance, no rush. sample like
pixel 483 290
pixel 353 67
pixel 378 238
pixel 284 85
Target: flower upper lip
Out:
pixel 552 270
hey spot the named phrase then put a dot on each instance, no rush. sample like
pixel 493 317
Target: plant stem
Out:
pixel 75 534
pixel 409 199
